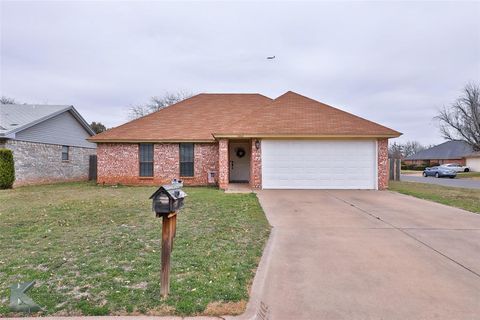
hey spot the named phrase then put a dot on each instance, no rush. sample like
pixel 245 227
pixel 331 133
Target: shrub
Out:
pixel 418 167
pixel 7 169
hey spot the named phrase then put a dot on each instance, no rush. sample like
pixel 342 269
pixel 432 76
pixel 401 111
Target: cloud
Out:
pixel 391 62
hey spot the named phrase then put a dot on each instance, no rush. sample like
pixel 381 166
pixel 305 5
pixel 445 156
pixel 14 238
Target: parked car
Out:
pixel 439 172
pixel 457 167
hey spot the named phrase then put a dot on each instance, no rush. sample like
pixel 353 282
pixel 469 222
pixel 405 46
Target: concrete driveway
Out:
pixel 459 183
pixel 368 255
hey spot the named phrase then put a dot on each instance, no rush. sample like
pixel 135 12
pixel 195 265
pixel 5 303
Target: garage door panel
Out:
pixel 318 164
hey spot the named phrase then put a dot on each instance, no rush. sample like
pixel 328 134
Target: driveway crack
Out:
pixel 407 234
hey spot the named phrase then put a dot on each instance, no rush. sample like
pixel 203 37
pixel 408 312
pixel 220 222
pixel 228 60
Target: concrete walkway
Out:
pixel 459 183
pixel 369 255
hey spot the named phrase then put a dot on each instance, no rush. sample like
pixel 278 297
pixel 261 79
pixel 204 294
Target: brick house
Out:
pixel 447 152
pixel 48 142
pixel 288 142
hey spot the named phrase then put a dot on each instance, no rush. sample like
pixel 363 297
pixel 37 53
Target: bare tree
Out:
pixel 395 151
pixel 157 103
pixel 412 147
pixel 7 100
pixel 461 120
pixel 400 151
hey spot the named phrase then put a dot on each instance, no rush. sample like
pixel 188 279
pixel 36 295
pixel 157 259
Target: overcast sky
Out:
pixel 394 63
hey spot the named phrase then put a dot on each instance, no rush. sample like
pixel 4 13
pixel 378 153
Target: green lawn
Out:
pixel 468 199
pixel 95 250
pixel 411 171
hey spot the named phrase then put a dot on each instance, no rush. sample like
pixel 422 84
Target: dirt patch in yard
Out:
pixel 219 308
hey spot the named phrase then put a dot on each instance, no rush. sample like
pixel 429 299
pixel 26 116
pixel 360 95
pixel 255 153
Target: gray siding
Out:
pixel 62 129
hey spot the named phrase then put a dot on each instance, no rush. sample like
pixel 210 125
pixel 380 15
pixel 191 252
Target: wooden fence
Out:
pixel 395 166
pixel 92 167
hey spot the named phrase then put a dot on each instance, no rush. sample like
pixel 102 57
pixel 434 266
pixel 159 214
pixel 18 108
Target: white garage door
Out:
pixel 319 164
pixel 474 164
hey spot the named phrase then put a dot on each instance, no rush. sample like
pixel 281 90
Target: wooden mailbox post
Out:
pixel 166 202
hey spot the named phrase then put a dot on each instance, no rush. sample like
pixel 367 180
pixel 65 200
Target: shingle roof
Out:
pixel 292 114
pixel 206 116
pixel 473 155
pixel 18 117
pixel 446 150
pixel 193 119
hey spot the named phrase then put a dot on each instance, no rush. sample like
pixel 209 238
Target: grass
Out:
pixel 468 175
pixel 467 199
pixel 95 250
pixel 411 171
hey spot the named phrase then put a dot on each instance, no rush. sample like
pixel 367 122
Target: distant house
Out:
pixel 473 161
pixel 447 152
pixel 48 142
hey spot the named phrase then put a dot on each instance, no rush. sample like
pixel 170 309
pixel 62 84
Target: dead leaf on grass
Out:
pixel 218 308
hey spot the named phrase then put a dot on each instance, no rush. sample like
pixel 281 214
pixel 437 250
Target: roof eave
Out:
pixel 82 121
pixel 473 155
pixel 307 136
pixel 7 135
pixel 37 121
pixel 150 140
pixel 70 108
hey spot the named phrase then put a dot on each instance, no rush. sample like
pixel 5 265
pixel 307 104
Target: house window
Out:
pixel 65 150
pixel 186 159
pixel 146 159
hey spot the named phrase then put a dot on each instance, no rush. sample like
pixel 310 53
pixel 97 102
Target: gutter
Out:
pixel 150 140
pixel 304 136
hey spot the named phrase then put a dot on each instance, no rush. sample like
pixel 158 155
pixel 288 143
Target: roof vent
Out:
pixel 14 124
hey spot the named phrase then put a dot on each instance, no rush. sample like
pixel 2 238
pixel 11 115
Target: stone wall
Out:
pixel 382 146
pixel 256 166
pixel 37 163
pixel 119 163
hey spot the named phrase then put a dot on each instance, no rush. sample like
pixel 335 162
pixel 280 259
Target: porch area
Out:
pixel 239 165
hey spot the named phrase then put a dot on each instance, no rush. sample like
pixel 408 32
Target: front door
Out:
pixel 239 161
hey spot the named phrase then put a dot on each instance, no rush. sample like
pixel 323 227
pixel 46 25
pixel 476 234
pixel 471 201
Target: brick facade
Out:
pixel 206 159
pixel 382 163
pixel 256 165
pixel 37 163
pixel 223 166
pixel 434 162
pixel 119 163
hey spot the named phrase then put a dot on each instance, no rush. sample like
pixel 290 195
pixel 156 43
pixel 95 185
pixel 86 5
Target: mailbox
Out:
pixel 168 198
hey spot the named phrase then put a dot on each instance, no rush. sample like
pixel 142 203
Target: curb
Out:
pixel 253 305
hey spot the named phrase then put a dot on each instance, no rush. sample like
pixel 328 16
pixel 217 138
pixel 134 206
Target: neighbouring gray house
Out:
pixel 48 142
pixel 447 152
